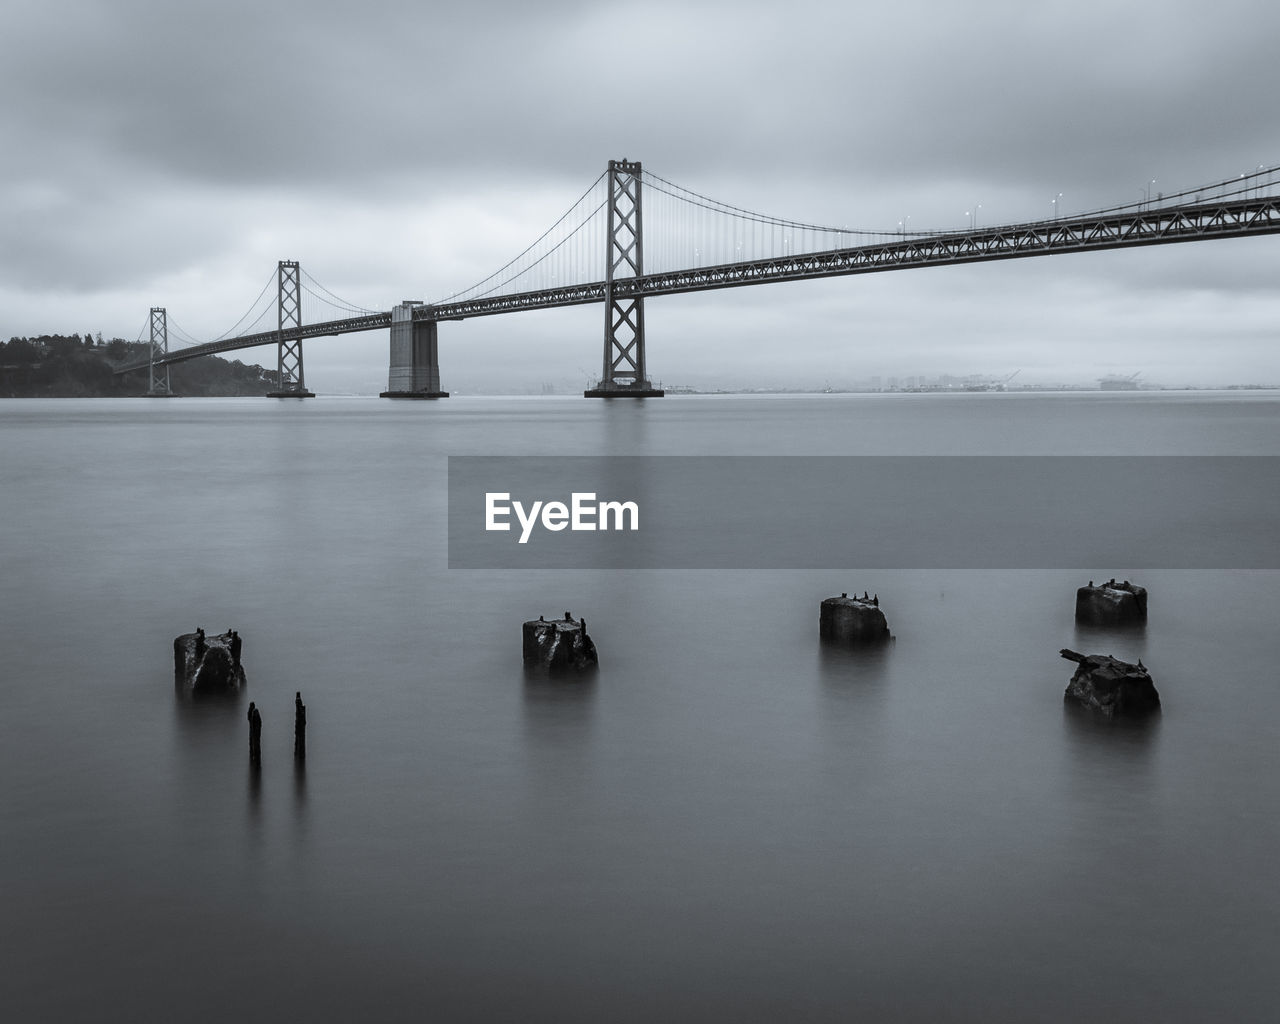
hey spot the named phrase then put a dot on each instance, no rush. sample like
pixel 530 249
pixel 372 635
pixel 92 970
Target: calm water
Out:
pixel 730 823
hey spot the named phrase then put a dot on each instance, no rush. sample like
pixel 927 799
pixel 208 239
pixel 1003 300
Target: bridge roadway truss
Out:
pixel 1228 218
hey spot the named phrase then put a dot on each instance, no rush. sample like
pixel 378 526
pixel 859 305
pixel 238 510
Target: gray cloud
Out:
pixel 170 153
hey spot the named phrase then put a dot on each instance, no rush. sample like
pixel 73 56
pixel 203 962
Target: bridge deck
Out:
pixel 1113 230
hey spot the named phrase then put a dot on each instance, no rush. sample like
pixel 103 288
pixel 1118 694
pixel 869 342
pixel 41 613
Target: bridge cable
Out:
pixel 266 310
pixel 338 301
pixel 253 305
pixel 556 250
pixel 728 209
pixel 172 326
pixel 1227 188
pixel 329 305
pixel 510 263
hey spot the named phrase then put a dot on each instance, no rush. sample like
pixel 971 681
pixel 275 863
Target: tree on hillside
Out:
pixel 19 350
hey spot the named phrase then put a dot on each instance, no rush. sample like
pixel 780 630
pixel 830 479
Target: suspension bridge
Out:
pixel 600 251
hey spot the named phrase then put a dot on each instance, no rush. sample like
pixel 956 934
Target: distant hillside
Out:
pixel 57 366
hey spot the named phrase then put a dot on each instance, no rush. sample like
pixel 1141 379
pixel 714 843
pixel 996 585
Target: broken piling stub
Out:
pixel 205 664
pixel 558 645
pixel 1111 604
pixel 1110 686
pixel 853 620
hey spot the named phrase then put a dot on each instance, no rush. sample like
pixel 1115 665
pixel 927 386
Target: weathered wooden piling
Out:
pixel 299 728
pixel 1111 604
pixel 1110 686
pixel 853 620
pixel 558 645
pixel 255 734
pixel 206 665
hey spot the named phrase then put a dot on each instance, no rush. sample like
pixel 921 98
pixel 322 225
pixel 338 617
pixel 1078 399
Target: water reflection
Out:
pixel 1129 643
pixel 1114 807
pixel 559 712
pixel 206 699
pixel 1120 740
pixel 559 701
pixel 255 792
pixel 207 720
pixel 299 788
pixel 623 425
pixel 855 691
pixel 853 671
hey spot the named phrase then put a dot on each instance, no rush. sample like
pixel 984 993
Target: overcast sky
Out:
pixel 169 153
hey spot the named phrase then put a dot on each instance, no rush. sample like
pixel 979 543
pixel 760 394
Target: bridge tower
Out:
pixel 289 318
pixel 624 370
pixel 159 349
pixel 415 357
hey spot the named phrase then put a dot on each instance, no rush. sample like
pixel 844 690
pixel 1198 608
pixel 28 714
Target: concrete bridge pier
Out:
pixel 415 360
